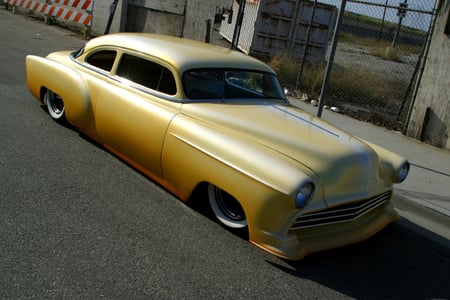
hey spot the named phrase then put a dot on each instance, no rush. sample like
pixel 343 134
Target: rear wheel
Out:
pixel 227 210
pixel 55 105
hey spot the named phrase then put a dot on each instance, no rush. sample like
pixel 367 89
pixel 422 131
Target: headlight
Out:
pixel 402 172
pixel 304 195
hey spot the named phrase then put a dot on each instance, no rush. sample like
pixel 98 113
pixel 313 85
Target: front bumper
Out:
pixel 299 242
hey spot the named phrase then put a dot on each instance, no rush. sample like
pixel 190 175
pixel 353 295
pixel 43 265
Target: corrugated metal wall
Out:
pixel 270 27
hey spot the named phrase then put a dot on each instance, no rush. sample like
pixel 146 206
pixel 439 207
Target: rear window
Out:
pixel 147 73
pixel 102 59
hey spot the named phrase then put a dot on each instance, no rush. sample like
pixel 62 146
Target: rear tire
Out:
pixel 55 106
pixel 226 209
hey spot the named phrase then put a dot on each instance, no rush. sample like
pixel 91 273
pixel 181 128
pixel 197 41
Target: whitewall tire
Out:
pixel 226 209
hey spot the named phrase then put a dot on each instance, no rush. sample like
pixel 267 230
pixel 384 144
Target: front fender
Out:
pixel 390 163
pixel 64 81
pixel 262 164
pixel 264 181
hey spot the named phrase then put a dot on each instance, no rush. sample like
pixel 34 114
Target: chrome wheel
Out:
pixel 55 105
pixel 226 208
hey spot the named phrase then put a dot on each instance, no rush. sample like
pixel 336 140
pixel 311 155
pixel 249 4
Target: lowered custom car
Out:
pixel 212 125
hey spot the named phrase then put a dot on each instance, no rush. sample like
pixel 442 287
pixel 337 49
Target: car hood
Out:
pixel 347 167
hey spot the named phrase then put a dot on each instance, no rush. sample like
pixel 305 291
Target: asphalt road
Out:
pixel 76 222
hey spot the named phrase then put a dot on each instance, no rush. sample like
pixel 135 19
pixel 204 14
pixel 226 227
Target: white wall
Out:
pixel 101 13
pixel 433 93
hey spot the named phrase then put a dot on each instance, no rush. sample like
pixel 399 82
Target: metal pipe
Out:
pixel 112 10
pixel 323 92
pixel 208 31
pixel 300 72
pixel 238 26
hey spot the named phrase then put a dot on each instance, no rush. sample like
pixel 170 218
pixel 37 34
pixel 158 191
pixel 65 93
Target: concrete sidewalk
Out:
pixel 426 191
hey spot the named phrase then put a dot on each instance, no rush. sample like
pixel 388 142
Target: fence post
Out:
pixel 305 48
pixel 323 92
pixel 238 26
pixel 208 31
pixel 112 9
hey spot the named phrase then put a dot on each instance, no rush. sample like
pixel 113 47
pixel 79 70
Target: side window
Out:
pixel 102 59
pixel 147 73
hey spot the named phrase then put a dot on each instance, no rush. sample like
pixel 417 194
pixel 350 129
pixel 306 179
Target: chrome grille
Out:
pixel 341 213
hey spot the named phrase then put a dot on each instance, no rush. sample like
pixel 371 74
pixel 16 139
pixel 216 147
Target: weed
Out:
pixel 288 68
pixel 380 48
pixel 351 84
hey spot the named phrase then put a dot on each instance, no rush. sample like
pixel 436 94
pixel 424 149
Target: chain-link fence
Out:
pixel 378 55
pixel 378 58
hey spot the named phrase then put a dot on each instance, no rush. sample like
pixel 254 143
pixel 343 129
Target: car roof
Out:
pixel 180 52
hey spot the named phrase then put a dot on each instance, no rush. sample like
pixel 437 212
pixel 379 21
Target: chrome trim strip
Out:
pixel 342 213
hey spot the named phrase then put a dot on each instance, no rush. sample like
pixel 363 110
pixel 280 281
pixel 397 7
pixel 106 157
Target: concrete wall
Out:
pixel 155 16
pixel 146 19
pixel 186 18
pixel 197 14
pixel 430 116
pixel 101 14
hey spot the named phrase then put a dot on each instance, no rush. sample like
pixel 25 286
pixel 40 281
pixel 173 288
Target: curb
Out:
pixel 429 219
pixel 404 203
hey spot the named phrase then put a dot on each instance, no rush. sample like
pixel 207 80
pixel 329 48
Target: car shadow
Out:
pixel 402 261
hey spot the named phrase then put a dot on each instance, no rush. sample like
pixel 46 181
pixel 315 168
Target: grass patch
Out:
pixel 355 85
pixel 378 48
pixel 288 70
pixel 349 84
pixel 361 94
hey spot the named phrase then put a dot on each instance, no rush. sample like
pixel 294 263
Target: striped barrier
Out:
pixel 78 11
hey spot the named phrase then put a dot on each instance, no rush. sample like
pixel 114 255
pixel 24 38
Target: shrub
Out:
pixel 288 69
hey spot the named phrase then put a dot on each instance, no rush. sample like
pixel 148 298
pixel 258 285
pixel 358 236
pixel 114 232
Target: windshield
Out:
pixel 231 84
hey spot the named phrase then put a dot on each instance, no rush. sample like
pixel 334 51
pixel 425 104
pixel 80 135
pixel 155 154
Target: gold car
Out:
pixel 213 125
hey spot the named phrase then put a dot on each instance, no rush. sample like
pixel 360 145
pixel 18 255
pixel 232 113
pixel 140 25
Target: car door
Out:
pixel 134 111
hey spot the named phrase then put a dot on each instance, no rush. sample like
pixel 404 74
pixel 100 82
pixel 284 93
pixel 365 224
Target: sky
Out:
pixel 412 19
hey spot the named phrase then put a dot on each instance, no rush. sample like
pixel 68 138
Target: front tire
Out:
pixel 55 106
pixel 226 209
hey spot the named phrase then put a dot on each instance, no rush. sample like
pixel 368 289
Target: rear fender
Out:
pixel 64 81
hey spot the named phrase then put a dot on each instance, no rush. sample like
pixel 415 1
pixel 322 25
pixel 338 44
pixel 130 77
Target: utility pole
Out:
pixel 401 13
pixel 382 20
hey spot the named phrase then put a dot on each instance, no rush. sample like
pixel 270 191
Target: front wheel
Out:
pixel 55 106
pixel 227 210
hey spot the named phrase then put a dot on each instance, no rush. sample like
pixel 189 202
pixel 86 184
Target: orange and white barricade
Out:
pixel 78 11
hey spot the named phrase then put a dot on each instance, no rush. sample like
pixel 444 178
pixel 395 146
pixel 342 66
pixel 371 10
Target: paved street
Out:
pixel 76 222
